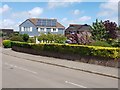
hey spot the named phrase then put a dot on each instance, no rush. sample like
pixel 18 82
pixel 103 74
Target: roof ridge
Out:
pixel 44 18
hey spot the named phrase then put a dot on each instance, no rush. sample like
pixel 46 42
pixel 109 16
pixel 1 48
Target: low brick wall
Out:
pixel 86 59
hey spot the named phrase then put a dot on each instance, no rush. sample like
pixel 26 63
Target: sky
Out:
pixel 73 12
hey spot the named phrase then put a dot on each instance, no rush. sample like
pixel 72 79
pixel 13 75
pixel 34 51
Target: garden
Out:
pixel 105 44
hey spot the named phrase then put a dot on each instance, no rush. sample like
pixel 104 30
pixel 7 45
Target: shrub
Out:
pixel 100 43
pixel 16 38
pixel 84 50
pixel 7 44
pixel 31 40
pixel 50 38
pixel 25 37
pixel 116 43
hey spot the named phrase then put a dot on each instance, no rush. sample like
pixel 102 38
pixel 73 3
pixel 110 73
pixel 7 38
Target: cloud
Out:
pixel 36 11
pixel 58 3
pixel 76 12
pixel 4 8
pixel 81 20
pixel 16 17
pixel 113 19
pixel 7 23
pixel 108 8
pixel 84 18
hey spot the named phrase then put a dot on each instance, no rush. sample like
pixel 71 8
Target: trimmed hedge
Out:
pixel 7 44
pixel 84 50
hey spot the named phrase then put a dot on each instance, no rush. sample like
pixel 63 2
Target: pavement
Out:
pixel 22 73
pixel 89 68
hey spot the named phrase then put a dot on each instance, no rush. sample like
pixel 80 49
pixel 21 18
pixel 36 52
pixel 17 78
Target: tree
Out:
pixel 50 38
pixel 25 37
pixel 98 30
pixel 16 38
pixel 111 28
pixel 58 38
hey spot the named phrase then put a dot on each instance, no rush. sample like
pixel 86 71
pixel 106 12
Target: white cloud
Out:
pixel 10 24
pixel 36 11
pixel 7 23
pixel 4 8
pixel 113 19
pixel 84 18
pixel 108 8
pixel 59 3
pixel 81 20
pixel 12 21
pixel 76 12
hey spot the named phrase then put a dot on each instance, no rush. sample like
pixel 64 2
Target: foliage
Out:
pixel 98 30
pixel 100 43
pixel 7 44
pixel 84 50
pixel 111 28
pixel 50 38
pixel 116 43
pixel 58 38
pixel 25 37
pixel 31 40
pixel 16 38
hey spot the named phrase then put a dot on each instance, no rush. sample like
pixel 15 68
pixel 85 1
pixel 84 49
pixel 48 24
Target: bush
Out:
pixel 25 37
pixel 84 50
pixel 116 43
pixel 50 38
pixel 100 43
pixel 16 38
pixel 32 40
pixel 7 44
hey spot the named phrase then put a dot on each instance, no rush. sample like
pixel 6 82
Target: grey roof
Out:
pixel 78 27
pixel 35 20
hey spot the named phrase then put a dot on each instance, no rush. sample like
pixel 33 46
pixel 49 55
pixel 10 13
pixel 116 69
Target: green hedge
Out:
pixel 7 44
pixel 84 50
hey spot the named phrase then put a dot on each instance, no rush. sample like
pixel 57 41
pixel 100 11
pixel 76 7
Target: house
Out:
pixel 35 26
pixel 7 32
pixel 79 33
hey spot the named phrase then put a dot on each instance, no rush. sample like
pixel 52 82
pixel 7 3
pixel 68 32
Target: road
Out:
pixel 21 73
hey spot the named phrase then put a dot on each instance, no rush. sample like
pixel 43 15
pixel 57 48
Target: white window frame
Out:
pixel 41 29
pixel 53 30
pixel 22 29
pixel 30 29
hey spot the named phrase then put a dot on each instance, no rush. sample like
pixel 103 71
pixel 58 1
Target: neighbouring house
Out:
pixel 7 32
pixel 35 26
pixel 79 33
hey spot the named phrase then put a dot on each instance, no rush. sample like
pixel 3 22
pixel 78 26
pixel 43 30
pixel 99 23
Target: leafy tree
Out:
pixel 25 37
pixel 98 30
pixel 111 28
pixel 16 38
pixel 58 38
pixel 50 38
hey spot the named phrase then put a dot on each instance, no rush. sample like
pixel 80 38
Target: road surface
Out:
pixel 21 73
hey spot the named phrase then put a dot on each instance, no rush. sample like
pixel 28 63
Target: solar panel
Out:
pixel 46 22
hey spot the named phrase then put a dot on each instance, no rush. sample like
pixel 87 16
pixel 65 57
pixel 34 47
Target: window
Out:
pixel 54 30
pixel 30 29
pixel 22 29
pixel 41 29
pixel 27 29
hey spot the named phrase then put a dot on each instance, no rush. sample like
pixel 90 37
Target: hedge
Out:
pixel 109 52
pixel 6 43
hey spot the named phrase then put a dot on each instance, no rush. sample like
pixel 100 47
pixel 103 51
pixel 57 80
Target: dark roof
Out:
pixel 34 21
pixel 78 27
pixel 6 30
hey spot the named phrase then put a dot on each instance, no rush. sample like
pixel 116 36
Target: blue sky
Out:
pixel 14 13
